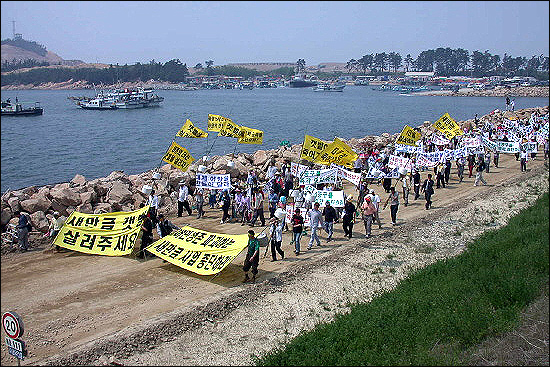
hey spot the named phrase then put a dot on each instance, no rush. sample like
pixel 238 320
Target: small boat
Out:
pixel 21 108
pixel 120 99
pixel 329 88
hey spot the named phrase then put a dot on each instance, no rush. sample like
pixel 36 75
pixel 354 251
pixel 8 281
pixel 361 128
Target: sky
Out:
pixel 225 32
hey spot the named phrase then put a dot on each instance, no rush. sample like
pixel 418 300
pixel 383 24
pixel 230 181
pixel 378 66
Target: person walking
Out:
pixel 376 202
pixel 416 183
pixel 199 200
pixel 406 189
pixel 273 200
pixel 258 206
pixel 393 199
pixel 428 190
pixel 315 219
pixel 330 216
pixel 440 176
pixel 523 161
pixel 471 164
pixel 487 160
pixel 495 158
pixel 153 202
pixel 349 217
pixel 182 199
pixel 447 172
pixel 55 226
pixel 226 199
pixel 480 167
pixel 460 163
pixel 23 229
pixel 368 215
pixel 276 235
pixel 297 222
pixel 252 258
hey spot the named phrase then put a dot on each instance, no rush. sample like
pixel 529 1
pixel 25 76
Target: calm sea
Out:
pixel 66 140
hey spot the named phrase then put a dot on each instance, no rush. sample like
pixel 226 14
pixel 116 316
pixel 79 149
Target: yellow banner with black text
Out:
pixel 189 130
pixel 178 157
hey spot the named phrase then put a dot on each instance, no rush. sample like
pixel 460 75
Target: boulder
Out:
pixel 14 203
pixel 102 208
pixel 88 197
pixel 118 176
pixel 78 180
pixel 31 190
pixel 39 221
pixel 85 208
pixel 65 196
pixel 220 164
pixel 36 203
pixel 119 193
pixel 62 209
pixel 7 213
pixel 260 157
pixel 138 198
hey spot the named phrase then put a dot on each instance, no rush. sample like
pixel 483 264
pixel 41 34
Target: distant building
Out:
pixel 419 76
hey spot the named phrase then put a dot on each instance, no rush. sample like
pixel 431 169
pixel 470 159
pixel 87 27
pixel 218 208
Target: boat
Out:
pixel 301 82
pixel 329 88
pixel 21 108
pixel 121 99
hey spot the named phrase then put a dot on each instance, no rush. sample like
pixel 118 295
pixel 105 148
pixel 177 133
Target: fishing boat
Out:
pixel 21 108
pixel 329 88
pixel 121 99
pixel 301 82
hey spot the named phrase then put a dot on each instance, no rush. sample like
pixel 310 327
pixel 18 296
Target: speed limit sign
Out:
pixel 13 325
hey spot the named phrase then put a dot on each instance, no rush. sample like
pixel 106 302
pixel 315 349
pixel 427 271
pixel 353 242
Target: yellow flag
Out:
pixel 251 136
pixel 448 126
pixel 311 148
pixel 215 122
pixel 189 130
pixel 178 157
pixel 409 136
pixel 337 152
pixel 110 234
pixel 201 252
pixel 231 129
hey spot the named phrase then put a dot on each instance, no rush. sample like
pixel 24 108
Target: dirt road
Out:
pixel 83 309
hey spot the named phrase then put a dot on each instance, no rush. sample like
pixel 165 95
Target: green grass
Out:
pixel 438 311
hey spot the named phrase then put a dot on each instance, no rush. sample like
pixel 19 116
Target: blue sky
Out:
pixel 234 31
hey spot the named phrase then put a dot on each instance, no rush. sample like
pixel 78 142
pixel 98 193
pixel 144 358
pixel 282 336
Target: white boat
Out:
pixel 329 88
pixel 122 99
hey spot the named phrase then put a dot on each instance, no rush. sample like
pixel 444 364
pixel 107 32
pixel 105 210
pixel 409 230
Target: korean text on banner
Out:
pixel 311 148
pixel 230 129
pixel 352 177
pixel 339 153
pixel 314 177
pixel 111 234
pixel 409 136
pixel 251 136
pixel 213 181
pixel 215 122
pixel 178 157
pixel 297 169
pixel 201 252
pixel 189 130
pixel 335 198
pixel 448 126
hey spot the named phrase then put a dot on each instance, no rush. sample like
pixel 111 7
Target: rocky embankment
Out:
pixel 539 92
pixel 121 192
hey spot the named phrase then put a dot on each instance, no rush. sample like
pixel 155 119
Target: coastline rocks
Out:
pixel 39 221
pixel 260 157
pixel 78 180
pixel 65 196
pixel 119 193
pixel 7 213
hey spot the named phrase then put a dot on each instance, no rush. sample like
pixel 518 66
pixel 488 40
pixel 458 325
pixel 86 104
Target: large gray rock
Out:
pixel 7 213
pixel 119 193
pixel 118 176
pixel 62 209
pixel 85 208
pixel 36 203
pixel 14 203
pixel 78 180
pixel 102 208
pixel 39 221
pixel 88 197
pixel 65 196
pixel 260 157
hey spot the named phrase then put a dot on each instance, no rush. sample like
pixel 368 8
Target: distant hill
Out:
pixel 19 49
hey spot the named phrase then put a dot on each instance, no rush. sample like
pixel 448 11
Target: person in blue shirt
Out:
pixel 23 229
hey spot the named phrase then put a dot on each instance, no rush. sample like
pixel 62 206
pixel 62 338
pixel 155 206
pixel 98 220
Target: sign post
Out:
pixel 13 326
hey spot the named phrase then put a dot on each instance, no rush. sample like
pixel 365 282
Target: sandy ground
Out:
pixel 83 309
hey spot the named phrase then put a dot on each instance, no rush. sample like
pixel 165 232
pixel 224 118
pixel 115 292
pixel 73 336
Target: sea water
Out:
pixel 67 140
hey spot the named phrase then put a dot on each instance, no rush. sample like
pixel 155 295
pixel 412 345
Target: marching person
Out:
pixel 368 213
pixel 406 189
pixel 252 257
pixel 523 161
pixel 447 172
pixel 375 198
pixel 416 182
pixel 153 202
pixel 226 199
pixel 276 231
pixel 315 219
pixel 55 226
pixel 495 158
pixel 258 206
pixel 349 216
pixel 480 167
pixel 199 200
pixel 147 233
pixel 297 222
pixel 182 199
pixel 460 163
pixel 330 216
pixel 440 179
pixel 428 190
pixel 393 199
pixel 487 160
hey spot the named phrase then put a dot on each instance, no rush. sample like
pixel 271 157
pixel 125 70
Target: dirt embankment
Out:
pixel 81 309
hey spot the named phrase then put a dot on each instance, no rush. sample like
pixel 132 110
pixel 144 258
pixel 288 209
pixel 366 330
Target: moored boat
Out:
pixel 329 88
pixel 21 108
pixel 121 99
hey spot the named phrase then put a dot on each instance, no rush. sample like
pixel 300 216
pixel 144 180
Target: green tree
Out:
pixel 380 61
pixel 408 62
pixel 365 62
pixel 394 60
pixel 300 66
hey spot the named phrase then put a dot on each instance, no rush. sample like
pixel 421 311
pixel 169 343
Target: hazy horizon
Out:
pixel 236 32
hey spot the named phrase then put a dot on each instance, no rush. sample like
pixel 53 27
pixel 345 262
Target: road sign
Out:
pixel 16 344
pixel 13 325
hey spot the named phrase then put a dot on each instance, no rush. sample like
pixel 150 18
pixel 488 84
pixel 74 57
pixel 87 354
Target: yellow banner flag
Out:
pixel 201 252
pixel 215 122
pixel 409 136
pixel 251 136
pixel 337 152
pixel 189 130
pixel 311 147
pixel 178 157
pixel 110 234
pixel 448 126
pixel 230 129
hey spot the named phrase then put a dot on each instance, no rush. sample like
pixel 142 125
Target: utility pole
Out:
pixel 13 23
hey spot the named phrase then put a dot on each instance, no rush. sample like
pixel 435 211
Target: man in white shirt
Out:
pixel 153 202
pixel 315 219
pixel 376 202
pixel 182 199
pixel 523 160
pixel 258 206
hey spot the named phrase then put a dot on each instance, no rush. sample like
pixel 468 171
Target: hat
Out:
pixel 367 198
pixel 372 191
pixel 350 197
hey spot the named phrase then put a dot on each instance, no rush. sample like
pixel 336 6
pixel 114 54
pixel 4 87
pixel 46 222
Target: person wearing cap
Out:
pixel 276 235
pixel 182 199
pixel 199 200
pixel 368 214
pixel 316 219
pixel 349 215
pixel 252 258
pixel 297 222
pixel 55 226
pixel 330 216
pixel 376 202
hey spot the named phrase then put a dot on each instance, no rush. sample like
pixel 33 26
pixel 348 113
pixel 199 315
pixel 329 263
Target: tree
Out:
pixel 300 66
pixel 408 62
pixel 394 59
pixel 351 64
pixel 380 61
pixel 365 62
pixel 425 60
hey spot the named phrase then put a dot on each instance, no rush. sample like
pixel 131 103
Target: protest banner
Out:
pixel 199 251
pixel 230 129
pixel 471 142
pixel 507 146
pixel 251 136
pixel 213 181
pixel 440 140
pixel 431 159
pixel 189 130
pixel 178 157
pixel 110 234
pixel 491 145
pixel 297 169
pixel 409 148
pixel 399 162
pixel 448 126
pixel 337 152
pixel 311 148
pixel 314 177
pixel 408 136
pixel 335 198
pixel 215 122
pixel 530 147
pixel 351 176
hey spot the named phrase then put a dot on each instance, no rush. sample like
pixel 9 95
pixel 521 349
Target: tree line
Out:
pixel 26 45
pixel 448 62
pixel 20 64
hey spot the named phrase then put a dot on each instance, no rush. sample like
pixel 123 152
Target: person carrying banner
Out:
pixel 368 214
pixel 330 216
pixel 146 234
pixel 276 235
pixel 349 217
pixel 182 199
pixel 315 219
pixel 55 225
pixel 428 190
pixel 480 167
pixel 252 257
pixel 297 223
pixel 153 202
